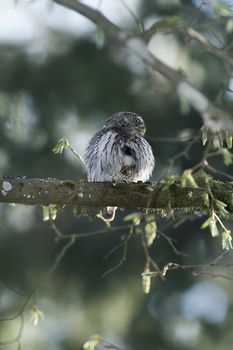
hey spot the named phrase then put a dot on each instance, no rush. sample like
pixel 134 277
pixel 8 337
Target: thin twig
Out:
pixel 76 154
pixel 169 240
pixel 133 15
pixel 211 263
pixel 123 259
pixel 149 259
pixel 61 236
pixel 34 292
pixel 215 171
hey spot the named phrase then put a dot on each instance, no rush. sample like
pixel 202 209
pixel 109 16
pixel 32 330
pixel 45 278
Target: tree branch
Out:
pixel 177 23
pixel 215 118
pixel 89 194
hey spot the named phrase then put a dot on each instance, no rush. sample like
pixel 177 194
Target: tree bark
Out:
pixel 129 195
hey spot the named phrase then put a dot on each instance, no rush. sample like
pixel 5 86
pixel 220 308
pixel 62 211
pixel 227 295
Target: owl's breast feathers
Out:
pixel 118 152
pixel 114 155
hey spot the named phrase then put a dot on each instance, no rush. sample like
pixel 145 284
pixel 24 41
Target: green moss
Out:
pixel 69 183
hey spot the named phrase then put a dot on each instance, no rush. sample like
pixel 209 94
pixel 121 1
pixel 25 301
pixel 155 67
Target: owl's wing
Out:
pixel 102 158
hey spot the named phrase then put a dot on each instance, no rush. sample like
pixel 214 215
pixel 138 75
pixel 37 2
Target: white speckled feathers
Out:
pixel 118 152
pixel 114 149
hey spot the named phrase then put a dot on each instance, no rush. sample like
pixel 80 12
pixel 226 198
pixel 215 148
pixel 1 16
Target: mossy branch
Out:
pixel 144 195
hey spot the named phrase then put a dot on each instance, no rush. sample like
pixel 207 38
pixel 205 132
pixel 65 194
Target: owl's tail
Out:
pixel 107 214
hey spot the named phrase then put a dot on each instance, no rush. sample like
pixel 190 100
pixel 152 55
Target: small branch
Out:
pixel 30 297
pixel 172 245
pixel 212 263
pixel 61 236
pixel 123 244
pixel 76 154
pixel 177 23
pixel 215 118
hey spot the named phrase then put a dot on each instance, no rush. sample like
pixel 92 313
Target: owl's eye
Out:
pixel 139 122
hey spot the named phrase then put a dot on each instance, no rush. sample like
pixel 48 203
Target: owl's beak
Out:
pixel 142 131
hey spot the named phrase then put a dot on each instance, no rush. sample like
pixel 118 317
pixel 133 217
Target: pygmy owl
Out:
pixel 119 153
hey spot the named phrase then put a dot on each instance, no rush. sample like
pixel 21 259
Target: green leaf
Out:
pixel 49 212
pixel 146 281
pixel 221 9
pixel 229 140
pixel 206 223
pixel 211 223
pixel 134 217
pixel 53 211
pixel 221 206
pixel 36 315
pixel 170 180
pixel 204 134
pixel 91 343
pixel 61 145
pixel 45 213
pixel 226 240
pixel 213 228
pixel 187 179
pixel 227 156
pixel 206 199
pixel 150 229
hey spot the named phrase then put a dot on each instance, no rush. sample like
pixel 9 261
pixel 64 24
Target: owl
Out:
pixel 119 153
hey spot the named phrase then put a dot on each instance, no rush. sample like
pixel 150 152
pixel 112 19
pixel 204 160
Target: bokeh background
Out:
pixel 60 77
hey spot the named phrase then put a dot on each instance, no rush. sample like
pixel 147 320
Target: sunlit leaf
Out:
pixel 49 212
pixel 134 217
pixel 226 240
pixel 206 223
pixel 221 8
pixel 170 180
pixel 212 224
pixel 36 315
pixel 45 213
pixel 204 134
pixel 91 343
pixel 53 211
pixel 146 281
pixel 227 156
pixel 229 140
pixel 221 206
pixel 61 145
pixel 150 229
pixel 187 179
pixel 206 199
pixel 213 228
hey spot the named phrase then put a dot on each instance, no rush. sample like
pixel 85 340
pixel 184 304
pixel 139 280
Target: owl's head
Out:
pixel 129 122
